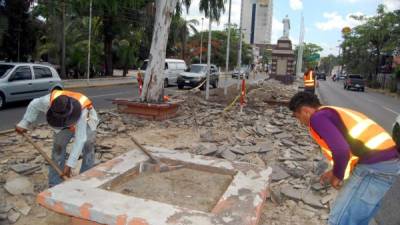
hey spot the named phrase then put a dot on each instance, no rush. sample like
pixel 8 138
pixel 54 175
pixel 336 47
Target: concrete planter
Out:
pixel 148 111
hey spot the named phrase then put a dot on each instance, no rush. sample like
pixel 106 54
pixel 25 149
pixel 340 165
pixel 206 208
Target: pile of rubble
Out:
pixel 264 134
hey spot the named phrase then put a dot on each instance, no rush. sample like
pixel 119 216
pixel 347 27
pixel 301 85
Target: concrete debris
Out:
pixel 25 168
pixel 19 185
pixel 21 206
pixel 291 193
pixel 264 134
pixel 227 154
pixel 13 216
pixel 278 173
pixel 206 148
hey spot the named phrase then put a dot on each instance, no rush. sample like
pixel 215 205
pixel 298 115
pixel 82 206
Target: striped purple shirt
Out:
pixel 330 128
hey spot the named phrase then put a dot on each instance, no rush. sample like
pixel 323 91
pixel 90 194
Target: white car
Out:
pixel 172 69
pixel 24 81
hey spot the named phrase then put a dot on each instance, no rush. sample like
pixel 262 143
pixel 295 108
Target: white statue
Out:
pixel 286 26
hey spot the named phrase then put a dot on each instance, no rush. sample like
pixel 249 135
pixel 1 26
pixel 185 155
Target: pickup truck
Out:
pixel 354 81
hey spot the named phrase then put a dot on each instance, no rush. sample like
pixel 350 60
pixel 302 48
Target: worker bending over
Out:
pixel 71 114
pixel 361 152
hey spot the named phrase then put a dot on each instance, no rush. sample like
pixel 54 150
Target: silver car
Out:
pixel 24 81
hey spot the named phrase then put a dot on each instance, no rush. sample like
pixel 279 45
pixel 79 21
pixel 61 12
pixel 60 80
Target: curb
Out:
pixel 82 83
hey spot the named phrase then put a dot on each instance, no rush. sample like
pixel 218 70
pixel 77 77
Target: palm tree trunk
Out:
pixel 154 78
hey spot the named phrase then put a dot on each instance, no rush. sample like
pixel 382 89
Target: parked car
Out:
pixel 172 69
pixel 24 81
pixel 197 74
pixel 242 71
pixel 321 76
pixel 354 81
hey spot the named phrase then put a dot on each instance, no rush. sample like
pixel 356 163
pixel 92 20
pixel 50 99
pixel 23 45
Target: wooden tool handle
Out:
pixel 143 149
pixel 47 158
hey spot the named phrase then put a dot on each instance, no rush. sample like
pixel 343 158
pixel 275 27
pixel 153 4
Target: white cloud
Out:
pixel 277 30
pixel 296 4
pixel 337 21
pixel 392 4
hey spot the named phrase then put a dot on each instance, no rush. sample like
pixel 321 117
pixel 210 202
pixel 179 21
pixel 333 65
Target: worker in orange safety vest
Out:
pixel 363 156
pixel 71 114
pixel 309 81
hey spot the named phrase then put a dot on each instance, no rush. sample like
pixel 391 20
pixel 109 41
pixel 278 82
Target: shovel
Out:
pixel 47 158
pixel 157 164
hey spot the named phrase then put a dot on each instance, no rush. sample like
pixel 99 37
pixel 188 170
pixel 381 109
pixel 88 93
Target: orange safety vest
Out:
pixel 309 81
pixel 360 128
pixel 82 99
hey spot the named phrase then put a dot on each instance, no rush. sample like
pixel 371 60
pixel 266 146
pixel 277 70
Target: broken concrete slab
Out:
pixel 21 206
pixel 25 168
pixel 283 135
pixel 88 196
pixel 19 185
pixel 278 173
pixel 227 154
pixel 291 193
pixel 13 216
pixel 206 148
pixel 312 199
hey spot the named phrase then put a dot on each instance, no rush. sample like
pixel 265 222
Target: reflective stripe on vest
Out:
pixel 309 79
pixel 328 154
pixel 361 128
pixel 85 102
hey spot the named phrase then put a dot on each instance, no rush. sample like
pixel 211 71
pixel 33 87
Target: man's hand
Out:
pixel 328 177
pixel 67 172
pixel 20 130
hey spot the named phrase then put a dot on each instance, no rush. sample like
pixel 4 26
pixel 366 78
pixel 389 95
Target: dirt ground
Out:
pixel 192 189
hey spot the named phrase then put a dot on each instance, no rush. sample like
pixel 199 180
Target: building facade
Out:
pixel 257 21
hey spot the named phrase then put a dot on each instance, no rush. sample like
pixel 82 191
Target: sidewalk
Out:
pixel 99 82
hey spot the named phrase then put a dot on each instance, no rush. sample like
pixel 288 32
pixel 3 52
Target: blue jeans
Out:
pixel 59 152
pixel 360 198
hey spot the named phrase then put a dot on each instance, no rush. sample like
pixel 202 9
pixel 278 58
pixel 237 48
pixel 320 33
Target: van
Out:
pixel 172 69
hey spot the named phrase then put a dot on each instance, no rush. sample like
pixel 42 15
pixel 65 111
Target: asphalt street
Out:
pixel 381 108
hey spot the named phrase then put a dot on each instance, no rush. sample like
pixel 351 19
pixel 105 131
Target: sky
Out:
pixel 323 19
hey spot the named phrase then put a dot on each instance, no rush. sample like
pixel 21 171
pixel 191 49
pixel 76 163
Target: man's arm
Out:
pixel 35 107
pixel 79 141
pixel 331 134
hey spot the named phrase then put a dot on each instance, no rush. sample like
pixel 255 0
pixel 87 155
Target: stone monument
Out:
pixel 283 66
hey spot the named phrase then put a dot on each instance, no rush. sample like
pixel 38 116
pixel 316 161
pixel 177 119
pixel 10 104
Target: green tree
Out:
pixel 309 49
pixel 20 31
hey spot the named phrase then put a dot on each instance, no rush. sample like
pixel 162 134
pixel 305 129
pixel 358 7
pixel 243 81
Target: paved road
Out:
pixel 101 96
pixel 378 107
pixel 383 109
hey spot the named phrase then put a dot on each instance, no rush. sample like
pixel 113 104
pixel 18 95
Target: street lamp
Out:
pixel 201 39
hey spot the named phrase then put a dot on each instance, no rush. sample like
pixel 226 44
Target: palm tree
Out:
pixel 181 30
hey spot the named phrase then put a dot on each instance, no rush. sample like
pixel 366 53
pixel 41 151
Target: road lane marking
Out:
pixel 111 94
pixel 390 110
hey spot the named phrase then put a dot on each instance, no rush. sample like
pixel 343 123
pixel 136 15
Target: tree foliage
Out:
pixel 364 47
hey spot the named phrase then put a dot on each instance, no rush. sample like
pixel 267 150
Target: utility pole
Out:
pixel 208 55
pixel 19 43
pixel 227 50
pixel 90 37
pixel 63 75
pixel 239 63
pixel 201 39
pixel 299 63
